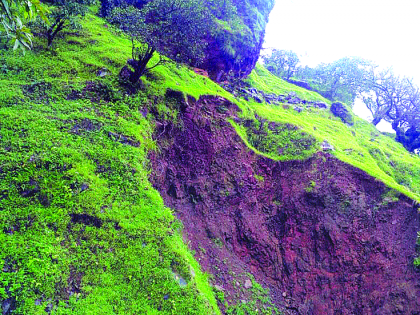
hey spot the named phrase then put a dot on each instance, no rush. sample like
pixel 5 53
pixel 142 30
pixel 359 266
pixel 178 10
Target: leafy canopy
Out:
pixel 176 29
pixel 282 63
pixel 13 14
pixel 342 80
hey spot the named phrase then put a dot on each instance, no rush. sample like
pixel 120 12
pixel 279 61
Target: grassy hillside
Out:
pixel 82 230
pixel 361 145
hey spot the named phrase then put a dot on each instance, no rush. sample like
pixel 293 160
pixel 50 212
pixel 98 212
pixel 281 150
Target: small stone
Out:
pixel 243 301
pixel 84 187
pixel 103 73
pixel 248 284
pixel 394 222
pixel 320 105
pixel 284 294
pixel 218 288
pixel 8 306
pixel 294 100
pixel 325 146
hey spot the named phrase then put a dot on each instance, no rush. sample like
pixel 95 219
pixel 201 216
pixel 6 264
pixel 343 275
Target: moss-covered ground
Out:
pixel 360 145
pixel 81 229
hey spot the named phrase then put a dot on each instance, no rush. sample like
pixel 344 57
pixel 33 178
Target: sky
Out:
pixel 384 31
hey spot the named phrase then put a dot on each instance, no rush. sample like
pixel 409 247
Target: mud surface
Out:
pixel 319 233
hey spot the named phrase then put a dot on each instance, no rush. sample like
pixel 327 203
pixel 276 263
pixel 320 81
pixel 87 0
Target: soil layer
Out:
pixel 323 236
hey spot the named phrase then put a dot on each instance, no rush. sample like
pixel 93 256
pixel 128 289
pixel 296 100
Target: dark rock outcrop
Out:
pixel 302 84
pixel 235 53
pixel 340 110
pixel 316 232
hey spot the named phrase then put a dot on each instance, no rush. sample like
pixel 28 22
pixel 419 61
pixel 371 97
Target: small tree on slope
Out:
pixel 173 28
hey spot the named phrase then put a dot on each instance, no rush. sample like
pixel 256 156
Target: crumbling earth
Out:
pixel 323 236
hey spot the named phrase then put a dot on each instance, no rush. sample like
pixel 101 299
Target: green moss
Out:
pixel 310 187
pixel 360 145
pixel 276 141
pixel 82 229
pixel 258 303
pixel 259 178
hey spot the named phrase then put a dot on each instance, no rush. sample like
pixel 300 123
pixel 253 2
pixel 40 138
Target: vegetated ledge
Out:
pixel 324 236
pixel 360 145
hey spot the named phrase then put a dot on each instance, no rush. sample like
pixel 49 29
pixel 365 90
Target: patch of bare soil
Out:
pixel 317 232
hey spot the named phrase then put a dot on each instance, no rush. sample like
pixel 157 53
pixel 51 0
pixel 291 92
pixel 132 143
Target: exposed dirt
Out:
pixel 318 232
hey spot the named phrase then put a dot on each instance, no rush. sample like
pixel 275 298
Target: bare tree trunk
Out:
pixel 54 29
pixel 376 120
pixel 140 68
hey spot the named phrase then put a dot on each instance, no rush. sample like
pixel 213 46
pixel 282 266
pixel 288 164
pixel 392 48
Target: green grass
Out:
pixel 361 145
pixel 82 229
pixel 263 80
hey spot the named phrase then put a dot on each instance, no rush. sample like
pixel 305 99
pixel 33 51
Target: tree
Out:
pixel 108 5
pixel 384 93
pixel 66 13
pixel 282 63
pixel 343 80
pixel 174 28
pixel 13 13
pixel 396 100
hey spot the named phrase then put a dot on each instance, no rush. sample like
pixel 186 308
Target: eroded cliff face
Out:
pixel 318 232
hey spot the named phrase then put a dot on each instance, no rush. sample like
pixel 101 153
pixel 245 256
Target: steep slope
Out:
pixel 319 233
pixel 82 230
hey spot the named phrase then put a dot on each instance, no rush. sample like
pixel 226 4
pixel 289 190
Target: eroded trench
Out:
pixel 317 233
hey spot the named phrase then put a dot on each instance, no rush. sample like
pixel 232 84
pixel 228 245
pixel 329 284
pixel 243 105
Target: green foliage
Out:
pixel 360 145
pixel 13 14
pixel 223 10
pixel 282 63
pixel 310 187
pixel 259 178
pixel 396 100
pixel 176 29
pixel 82 229
pixel 342 80
pixel 259 302
pixel 277 141
pixel 64 14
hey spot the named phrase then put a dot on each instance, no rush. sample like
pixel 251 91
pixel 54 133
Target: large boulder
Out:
pixel 233 51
